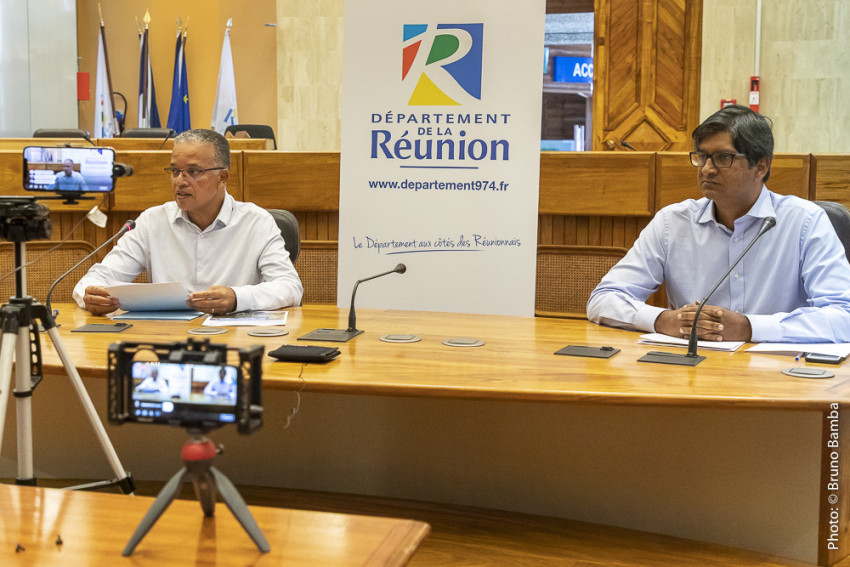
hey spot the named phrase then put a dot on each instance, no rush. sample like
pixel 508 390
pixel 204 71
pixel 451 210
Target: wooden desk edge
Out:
pixel 399 545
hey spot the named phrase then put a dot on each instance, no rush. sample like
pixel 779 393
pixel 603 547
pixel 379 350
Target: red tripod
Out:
pixel 198 453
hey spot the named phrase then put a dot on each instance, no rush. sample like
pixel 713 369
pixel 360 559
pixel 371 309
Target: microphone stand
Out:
pixel 128 226
pixel 345 335
pixel 692 358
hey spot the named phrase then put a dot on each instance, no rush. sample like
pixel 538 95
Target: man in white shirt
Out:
pixel 228 254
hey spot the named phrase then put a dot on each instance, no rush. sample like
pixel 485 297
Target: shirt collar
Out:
pixel 762 208
pixel 221 220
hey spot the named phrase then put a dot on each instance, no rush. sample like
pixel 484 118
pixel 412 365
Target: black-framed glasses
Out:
pixel 719 159
pixel 192 172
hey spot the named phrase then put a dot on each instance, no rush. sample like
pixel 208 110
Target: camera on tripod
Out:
pixel 22 219
pixel 68 173
pixel 188 384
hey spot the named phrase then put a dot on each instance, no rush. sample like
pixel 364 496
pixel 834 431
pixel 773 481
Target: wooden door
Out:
pixel 647 73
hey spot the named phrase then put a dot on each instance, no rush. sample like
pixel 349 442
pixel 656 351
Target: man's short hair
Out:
pixel 204 136
pixel 750 131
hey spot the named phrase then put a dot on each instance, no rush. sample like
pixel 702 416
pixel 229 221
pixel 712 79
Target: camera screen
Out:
pixel 68 169
pixel 169 392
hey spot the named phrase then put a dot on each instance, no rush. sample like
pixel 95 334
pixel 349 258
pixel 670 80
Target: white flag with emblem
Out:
pixel 224 111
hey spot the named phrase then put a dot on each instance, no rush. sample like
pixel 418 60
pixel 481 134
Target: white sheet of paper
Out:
pixel 150 297
pixel 248 318
pixel 667 340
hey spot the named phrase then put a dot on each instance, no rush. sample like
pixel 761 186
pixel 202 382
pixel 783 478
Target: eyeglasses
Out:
pixel 192 172
pixel 719 159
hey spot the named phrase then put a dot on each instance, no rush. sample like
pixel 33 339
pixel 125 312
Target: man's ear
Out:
pixel 223 176
pixel 762 167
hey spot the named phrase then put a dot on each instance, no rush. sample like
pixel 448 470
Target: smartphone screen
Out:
pixel 185 394
pixel 68 169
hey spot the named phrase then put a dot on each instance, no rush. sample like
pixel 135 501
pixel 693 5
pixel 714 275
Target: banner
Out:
pixel 178 114
pixel 224 111
pixel 105 124
pixel 440 154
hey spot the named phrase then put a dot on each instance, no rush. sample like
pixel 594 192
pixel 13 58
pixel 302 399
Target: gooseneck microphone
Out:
pixel 768 223
pixel 692 358
pixel 128 226
pixel 344 335
pixel 352 319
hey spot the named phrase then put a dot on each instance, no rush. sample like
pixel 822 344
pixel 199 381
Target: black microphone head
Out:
pixel 121 170
pixel 130 224
pixel 401 268
pixel 769 223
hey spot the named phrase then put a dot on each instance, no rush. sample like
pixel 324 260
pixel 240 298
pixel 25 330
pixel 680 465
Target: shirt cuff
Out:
pixel 646 316
pixel 765 328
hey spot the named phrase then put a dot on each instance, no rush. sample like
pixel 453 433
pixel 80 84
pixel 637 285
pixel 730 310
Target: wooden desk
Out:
pixel 95 527
pixel 731 451
pixel 516 362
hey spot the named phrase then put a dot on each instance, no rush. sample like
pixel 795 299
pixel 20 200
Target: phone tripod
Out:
pixel 198 453
pixel 20 342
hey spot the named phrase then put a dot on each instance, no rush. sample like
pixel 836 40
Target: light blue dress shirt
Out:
pixel 793 285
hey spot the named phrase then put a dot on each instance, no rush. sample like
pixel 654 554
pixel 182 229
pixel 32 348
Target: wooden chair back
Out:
pixel 44 267
pixel 317 266
pixel 566 275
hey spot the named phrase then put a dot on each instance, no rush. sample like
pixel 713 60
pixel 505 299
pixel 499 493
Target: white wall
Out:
pixel 38 66
pixel 803 67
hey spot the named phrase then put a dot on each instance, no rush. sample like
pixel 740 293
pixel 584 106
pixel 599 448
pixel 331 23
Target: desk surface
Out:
pixel 517 361
pixel 95 527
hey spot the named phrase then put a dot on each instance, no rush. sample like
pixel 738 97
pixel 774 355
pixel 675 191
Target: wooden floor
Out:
pixel 462 536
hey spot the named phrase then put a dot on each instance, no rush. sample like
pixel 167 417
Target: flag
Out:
pixel 224 111
pixel 178 114
pixel 148 113
pixel 105 124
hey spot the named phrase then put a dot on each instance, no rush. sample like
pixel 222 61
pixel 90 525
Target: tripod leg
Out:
pixel 238 508
pixel 7 355
pixel 23 406
pixel 204 485
pixel 163 500
pixel 97 425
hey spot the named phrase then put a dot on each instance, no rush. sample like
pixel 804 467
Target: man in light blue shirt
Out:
pixel 68 179
pixel 792 286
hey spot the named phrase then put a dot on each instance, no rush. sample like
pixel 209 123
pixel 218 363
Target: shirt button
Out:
pixel 737 276
pixel 737 239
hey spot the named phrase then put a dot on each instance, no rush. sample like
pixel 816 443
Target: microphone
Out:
pixel 625 144
pixel 691 358
pixel 128 226
pixel 167 136
pixel 352 319
pixel 344 335
pixel 122 170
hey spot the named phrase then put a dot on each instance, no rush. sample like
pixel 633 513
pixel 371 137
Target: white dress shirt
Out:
pixel 241 249
pixel 793 285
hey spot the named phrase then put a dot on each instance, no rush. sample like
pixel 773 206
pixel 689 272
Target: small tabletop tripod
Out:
pixel 198 453
pixel 20 342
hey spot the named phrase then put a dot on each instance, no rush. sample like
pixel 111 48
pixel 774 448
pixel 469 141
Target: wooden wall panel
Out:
pixel 589 182
pixel 297 181
pixel 831 175
pixel 646 73
pixel 593 199
pixel 676 178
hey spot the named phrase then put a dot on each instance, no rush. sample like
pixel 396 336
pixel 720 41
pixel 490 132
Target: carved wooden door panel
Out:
pixel 646 74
